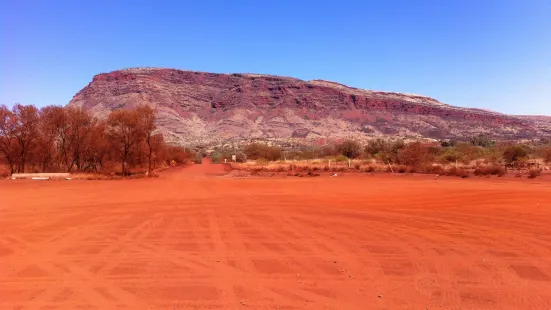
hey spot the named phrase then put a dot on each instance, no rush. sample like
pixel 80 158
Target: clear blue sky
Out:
pixel 493 54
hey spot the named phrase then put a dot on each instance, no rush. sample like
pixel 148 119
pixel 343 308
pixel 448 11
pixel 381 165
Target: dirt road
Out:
pixel 190 240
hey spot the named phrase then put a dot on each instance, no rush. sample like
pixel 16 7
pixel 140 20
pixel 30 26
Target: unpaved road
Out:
pixel 189 240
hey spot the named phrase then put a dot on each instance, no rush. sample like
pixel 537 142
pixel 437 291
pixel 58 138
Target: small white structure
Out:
pixel 40 176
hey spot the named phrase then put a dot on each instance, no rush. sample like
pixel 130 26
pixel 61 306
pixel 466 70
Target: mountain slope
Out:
pixel 199 107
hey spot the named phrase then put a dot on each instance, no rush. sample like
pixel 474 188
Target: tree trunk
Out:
pixel 149 161
pixel 124 156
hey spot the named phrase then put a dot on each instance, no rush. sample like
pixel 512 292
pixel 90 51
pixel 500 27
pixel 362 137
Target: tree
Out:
pixel 81 124
pixel 350 149
pixel 414 154
pixel 146 119
pixel 376 146
pixel 8 125
pixel 95 147
pixel 124 132
pixel 259 150
pixel 513 154
pixel 547 155
pixel 482 140
pixel 386 150
pixel 26 131
pixel 46 153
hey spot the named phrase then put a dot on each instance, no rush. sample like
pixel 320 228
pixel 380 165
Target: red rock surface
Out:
pixel 199 107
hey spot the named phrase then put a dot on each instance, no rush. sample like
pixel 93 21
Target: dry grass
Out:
pixel 318 166
pixel 314 166
pixel 490 170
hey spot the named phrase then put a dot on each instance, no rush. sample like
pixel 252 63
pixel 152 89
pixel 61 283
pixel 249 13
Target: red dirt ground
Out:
pixel 190 240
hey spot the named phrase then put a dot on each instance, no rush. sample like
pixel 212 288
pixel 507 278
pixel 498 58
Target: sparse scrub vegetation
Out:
pixel 480 156
pixel 56 139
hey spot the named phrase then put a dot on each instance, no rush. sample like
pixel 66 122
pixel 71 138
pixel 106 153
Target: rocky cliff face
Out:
pixel 199 107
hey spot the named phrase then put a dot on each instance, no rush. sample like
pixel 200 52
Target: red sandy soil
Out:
pixel 191 240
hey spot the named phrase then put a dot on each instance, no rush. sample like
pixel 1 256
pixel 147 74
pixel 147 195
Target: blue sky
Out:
pixel 493 54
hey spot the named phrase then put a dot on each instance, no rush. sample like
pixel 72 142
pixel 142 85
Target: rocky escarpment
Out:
pixel 199 107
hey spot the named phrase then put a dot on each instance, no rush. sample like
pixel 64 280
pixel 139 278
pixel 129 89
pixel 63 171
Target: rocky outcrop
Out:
pixel 199 107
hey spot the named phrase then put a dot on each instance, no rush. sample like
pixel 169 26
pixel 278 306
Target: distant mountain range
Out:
pixel 202 108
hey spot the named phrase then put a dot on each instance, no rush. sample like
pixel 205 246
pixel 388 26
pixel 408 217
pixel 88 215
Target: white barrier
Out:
pixel 40 176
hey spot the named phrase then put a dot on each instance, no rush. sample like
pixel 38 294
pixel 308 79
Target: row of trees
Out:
pixel 70 139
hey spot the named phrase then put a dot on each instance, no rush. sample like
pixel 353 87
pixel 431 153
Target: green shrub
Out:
pixel 350 149
pixel 482 140
pixel 341 158
pixel 514 154
pixel 260 150
pixel 216 157
pixel 240 157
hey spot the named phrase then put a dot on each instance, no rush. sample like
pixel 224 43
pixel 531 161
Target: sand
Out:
pixel 193 240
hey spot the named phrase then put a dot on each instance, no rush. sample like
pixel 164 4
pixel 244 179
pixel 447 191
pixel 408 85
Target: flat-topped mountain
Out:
pixel 200 107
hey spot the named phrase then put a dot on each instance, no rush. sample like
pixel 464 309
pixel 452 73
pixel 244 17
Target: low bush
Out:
pixel 490 170
pixel 216 157
pixel 240 157
pixel 370 169
pixel 341 158
pixel 437 169
pixel 460 172
pixel 260 150
pixel 514 154
pixel 402 169
pixel 414 154
pixel 534 173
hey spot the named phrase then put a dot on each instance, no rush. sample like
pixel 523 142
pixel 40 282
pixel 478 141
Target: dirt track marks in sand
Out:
pixel 321 243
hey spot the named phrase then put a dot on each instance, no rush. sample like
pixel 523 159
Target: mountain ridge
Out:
pixel 201 107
